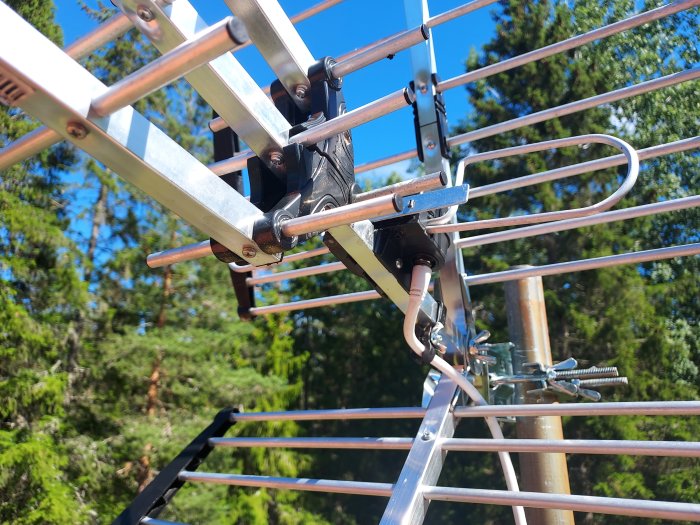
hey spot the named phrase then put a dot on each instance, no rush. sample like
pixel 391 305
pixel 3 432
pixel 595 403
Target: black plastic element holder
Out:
pixel 440 120
pixel 161 490
pixel 309 178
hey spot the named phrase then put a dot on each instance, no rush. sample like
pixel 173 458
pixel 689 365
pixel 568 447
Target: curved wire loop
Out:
pixel 537 178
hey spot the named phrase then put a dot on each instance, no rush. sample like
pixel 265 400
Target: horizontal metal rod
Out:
pixel 575 446
pixel 305 304
pixel 568 44
pixel 313 10
pixel 27 146
pixel 398 157
pixel 112 28
pixel 584 264
pixel 299 256
pixel 309 485
pixel 296 273
pixel 236 163
pixel 367 443
pixel 340 414
pixel 634 408
pixel 571 224
pixel 383 49
pixel 354 118
pixel 180 254
pixel 462 10
pixel 623 507
pixel 203 48
pixel 407 187
pixel 574 107
pixel 155 521
pixel 348 214
pixel 583 167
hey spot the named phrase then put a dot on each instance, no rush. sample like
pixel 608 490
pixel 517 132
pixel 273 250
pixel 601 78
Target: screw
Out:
pixel 398 263
pixel 411 204
pixel 144 13
pixel 423 88
pixel 435 338
pixel 430 145
pixel 276 158
pixel 427 435
pixel 249 251
pixel 76 130
pixel 300 91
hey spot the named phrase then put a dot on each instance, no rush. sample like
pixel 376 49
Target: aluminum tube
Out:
pixel 367 166
pixel 634 408
pixel 354 118
pixel 576 446
pixel 367 443
pixel 565 45
pixel 180 254
pixel 581 222
pixel 358 211
pixel 295 274
pixel 340 414
pixel 305 304
pixel 619 506
pixel 313 10
pixel 236 163
pixel 109 30
pixel 457 12
pixel 585 264
pixel 378 51
pixel 204 47
pixel 605 204
pixel 305 484
pixel 27 146
pixel 300 256
pixel 583 167
pixel 574 107
pixel 407 187
pixel 155 521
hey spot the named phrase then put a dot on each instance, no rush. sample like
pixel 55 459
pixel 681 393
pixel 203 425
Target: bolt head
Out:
pixel 300 91
pixel 398 263
pixel 276 158
pixel 427 435
pixel 430 145
pixel 249 251
pixel 76 130
pixel 144 13
pixel 411 203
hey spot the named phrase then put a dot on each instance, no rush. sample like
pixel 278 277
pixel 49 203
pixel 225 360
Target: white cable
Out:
pixel 420 279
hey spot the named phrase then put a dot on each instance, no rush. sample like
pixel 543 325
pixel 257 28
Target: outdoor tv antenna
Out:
pixel 301 170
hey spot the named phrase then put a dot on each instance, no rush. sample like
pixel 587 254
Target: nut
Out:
pixel 430 145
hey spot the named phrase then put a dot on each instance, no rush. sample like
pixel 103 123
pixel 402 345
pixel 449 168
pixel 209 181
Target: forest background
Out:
pixel 108 368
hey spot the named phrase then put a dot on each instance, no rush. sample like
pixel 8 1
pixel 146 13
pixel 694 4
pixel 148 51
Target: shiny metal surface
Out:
pixel 569 43
pixel 462 10
pixel 379 51
pixel 385 105
pixel 223 82
pixel 607 203
pixel 164 170
pixel 299 256
pixel 635 408
pixel 618 506
pixel 343 215
pixel 406 187
pixel 576 446
pixel 279 43
pixel 366 443
pixel 422 467
pixel 310 485
pixel 331 415
pixel 27 146
pixel 581 222
pixel 189 252
pixel 107 31
pixel 574 107
pixel 305 304
pixel 295 274
pixel 585 264
pixel 205 46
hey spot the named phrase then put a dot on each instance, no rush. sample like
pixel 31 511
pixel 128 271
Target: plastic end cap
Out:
pixel 397 201
pixel 237 31
pixel 409 95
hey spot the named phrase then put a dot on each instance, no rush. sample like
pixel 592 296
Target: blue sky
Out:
pixel 341 28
